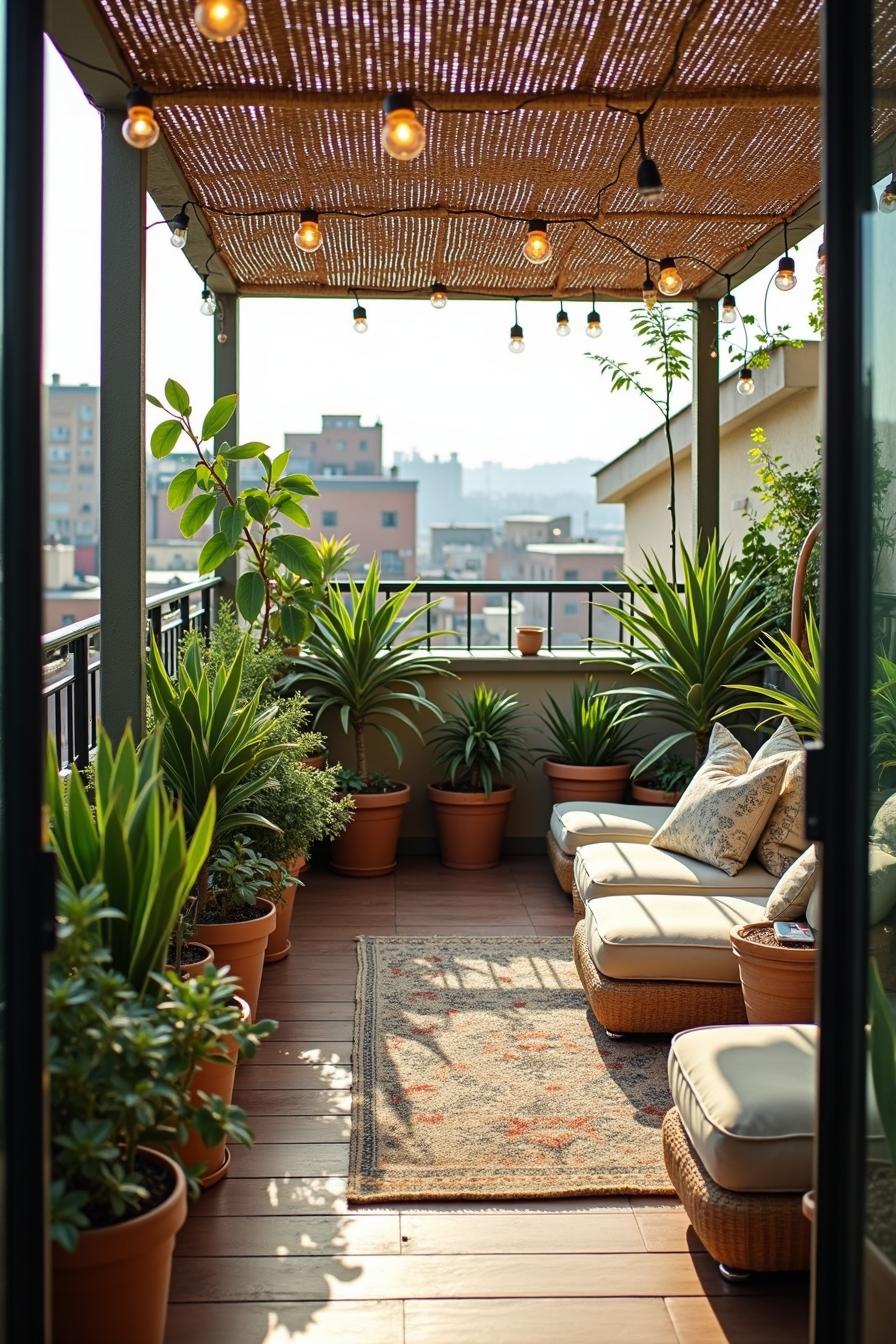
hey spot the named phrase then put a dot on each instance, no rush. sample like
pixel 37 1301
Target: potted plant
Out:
pixel 588 746
pixel 666 781
pixel 777 978
pixel 121 1065
pixel 529 639
pixel 477 748
pixel 880 1197
pixel 800 699
pixel 362 661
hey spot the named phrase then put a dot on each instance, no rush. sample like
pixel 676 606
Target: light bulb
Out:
pixel 308 236
pixel 438 297
pixel 745 385
pixel 537 247
pixel 517 344
pixel 648 293
pixel 360 316
pixel 713 352
pixel 220 20
pixel 887 202
pixel 670 281
pixel 208 307
pixel 822 262
pixel 222 338
pixel 140 128
pixel 593 326
pixel 729 309
pixel 403 136
pixel 179 225
pixel 650 184
pixel 786 276
pixel 563 327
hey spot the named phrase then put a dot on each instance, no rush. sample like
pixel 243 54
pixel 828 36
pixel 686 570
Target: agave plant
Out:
pixel 133 841
pixel 335 554
pixel 361 660
pixel 802 702
pixel 596 731
pixel 481 744
pixel 883 746
pixel 689 647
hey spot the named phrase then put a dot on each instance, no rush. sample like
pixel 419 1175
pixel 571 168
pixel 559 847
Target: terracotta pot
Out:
pixel 278 943
pixel 241 946
pixel 654 797
pixel 778 983
pixel 587 783
pixel 217 1079
pixel 114 1285
pixel 529 639
pixel 470 826
pixel 315 762
pixel 368 846
pixel 190 969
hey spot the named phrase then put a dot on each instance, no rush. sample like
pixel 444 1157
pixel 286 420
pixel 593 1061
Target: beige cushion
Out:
pixel 722 813
pixel 667 937
pixel 574 824
pixel 792 892
pixel 627 869
pixel 784 836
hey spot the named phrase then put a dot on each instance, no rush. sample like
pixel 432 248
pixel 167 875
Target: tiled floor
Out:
pixel 273 1255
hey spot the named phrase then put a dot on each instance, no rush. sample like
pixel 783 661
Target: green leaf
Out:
pixel 232 521
pixel 197 512
pixel 215 550
pixel 257 504
pixel 250 594
pixel 290 509
pixel 219 416
pixel 294 623
pixel 177 397
pixel 242 451
pixel 297 554
pixel 299 484
pixel 164 437
pixel 279 465
pixel 181 488
pixel 154 401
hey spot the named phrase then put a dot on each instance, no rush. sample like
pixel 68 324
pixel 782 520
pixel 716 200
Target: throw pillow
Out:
pixel 722 812
pixel 784 837
pixel 881 889
pixel 883 827
pixel 791 895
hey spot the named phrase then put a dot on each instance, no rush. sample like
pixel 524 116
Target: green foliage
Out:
pixel 481 744
pixel 335 554
pixel 688 647
pixel 672 773
pixel 596 731
pixel 238 875
pixel 121 1066
pixel 349 781
pixel 883 707
pixel 882 1040
pixel 132 842
pixel 801 703
pixel 362 660
pixel 261 667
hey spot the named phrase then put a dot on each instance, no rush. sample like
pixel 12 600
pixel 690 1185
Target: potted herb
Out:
pixel 588 746
pixel 237 914
pixel 477 747
pixel 666 781
pixel 362 660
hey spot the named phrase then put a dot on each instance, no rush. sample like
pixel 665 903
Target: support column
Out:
pixel 122 433
pixel 226 379
pixel 705 423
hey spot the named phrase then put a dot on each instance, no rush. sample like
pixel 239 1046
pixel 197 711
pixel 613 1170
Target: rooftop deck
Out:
pixel 273 1254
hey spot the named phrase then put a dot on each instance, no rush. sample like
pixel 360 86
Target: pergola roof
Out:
pixel 288 116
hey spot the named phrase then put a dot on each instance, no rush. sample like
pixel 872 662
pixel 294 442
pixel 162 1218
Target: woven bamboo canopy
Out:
pixel 529 111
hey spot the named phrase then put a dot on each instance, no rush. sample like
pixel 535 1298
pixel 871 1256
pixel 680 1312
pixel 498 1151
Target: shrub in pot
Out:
pixel 586 759
pixel 362 660
pixel 477 747
pixel 665 782
pixel 235 913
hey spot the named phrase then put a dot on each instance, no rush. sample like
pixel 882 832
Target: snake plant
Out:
pixel 481 744
pixel 596 731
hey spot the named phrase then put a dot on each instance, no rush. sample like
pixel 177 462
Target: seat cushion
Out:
pixel 659 937
pixel 783 839
pixel 627 869
pixel 574 824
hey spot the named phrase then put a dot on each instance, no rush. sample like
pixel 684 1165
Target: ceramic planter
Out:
pixel 278 943
pixel 587 783
pixel 114 1285
pixel 190 969
pixel 315 762
pixel 241 946
pixel 218 1080
pixel 778 983
pixel 369 844
pixel 654 797
pixel 470 826
pixel 529 639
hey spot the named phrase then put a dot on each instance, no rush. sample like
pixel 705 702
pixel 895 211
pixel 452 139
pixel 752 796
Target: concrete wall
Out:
pixel 358 505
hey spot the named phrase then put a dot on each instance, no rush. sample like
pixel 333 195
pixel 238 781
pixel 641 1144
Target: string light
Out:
pixel 403 135
pixel 537 247
pixel 729 304
pixel 359 316
pixel 517 344
pixel 821 264
pixel 222 334
pixel 670 281
pixel 592 322
pixel 179 225
pixel 208 305
pixel 887 202
pixel 140 128
pixel 220 20
pixel 745 385
pixel 650 184
pixel 786 276
pixel 648 289
pixel 438 296
pixel 308 235
pixel 563 327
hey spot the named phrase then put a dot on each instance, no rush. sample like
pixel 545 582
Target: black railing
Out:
pixel 73 660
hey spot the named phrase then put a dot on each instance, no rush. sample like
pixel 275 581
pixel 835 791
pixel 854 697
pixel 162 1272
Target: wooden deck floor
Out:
pixel 273 1255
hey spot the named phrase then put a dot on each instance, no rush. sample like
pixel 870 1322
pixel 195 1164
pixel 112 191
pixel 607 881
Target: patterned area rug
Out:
pixel 480 1073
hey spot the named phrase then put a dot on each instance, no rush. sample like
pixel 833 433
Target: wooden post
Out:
pixel 226 380
pixel 705 423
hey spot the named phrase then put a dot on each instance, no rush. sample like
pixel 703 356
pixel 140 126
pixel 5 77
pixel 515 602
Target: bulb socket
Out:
pixel 138 98
pixel 650 184
pixel 398 102
pixel 516 332
pixel 359 314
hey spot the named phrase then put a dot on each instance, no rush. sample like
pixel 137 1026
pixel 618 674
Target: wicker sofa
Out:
pixel 574 825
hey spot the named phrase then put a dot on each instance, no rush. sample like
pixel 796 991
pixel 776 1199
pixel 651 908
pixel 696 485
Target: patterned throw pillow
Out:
pixel 784 837
pixel 881 888
pixel 883 827
pixel 791 895
pixel 722 812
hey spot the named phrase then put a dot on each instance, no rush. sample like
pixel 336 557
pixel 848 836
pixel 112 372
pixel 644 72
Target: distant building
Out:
pixel 341 447
pixel 71 472
pixel 440 481
pixel 571 562
pixel 459 548
pixel 162 523
pixel 518 531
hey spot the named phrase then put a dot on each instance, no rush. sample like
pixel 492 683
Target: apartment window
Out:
pixel 58 487
pixel 85 434
pixel 340 445
pixel 570 608
pixel 570 573
pixel 610 574
pixel 59 434
pixel 329 518
pixel 85 412
pixel 363 446
pixel 57 508
pixel 59 455
pixel 85 469
pixel 391 562
pixel 389 518
pixel 85 508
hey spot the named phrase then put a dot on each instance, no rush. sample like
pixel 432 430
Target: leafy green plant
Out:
pixel 883 707
pixel 596 731
pixel 882 1038
pixel 336 554
pixel 261 667
pixel 672 773
pixel 283 579
pixel 121 1066
pixel 362 661
pixel 801 700
pixel 348 780
pixel 689 647
pixel 238 875
pixel 481 744
pixel 133 841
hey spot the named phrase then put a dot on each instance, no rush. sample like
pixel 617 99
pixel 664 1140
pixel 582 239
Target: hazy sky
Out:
pixel 439 381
